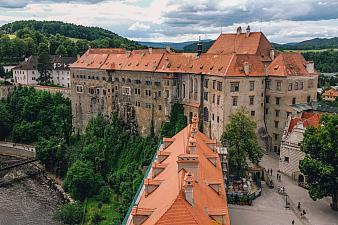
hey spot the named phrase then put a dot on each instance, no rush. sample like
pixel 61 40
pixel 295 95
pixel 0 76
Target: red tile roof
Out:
pixel 289 64
pixel 256 43
pixel 330 93
pixel 167 202
pixel 307 119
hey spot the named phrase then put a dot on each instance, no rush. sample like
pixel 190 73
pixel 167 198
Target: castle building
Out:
pixel 291 153
pixel 239 70
pixel 185 183
pixel 27 73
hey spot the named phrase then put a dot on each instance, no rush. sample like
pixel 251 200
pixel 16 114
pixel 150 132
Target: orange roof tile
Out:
pixel 330 93
pixel 256 43
pixel 307 119
pixel 168 201
pixel 288 64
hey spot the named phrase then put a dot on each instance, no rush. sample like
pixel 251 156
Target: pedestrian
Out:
pixel 293 222
pixel 298 206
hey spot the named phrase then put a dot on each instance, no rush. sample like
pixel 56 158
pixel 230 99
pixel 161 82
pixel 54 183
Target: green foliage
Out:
pixel 69 214
pixel 104 195
pixel 44 64
pixel 241 139
pixel 325 61
pixel 5 120
pixel 177 121
pixel 327 82
pixel 320 165
pixel 52 153
pixel 62 38
pixel 36 114
pixel 97 218
pixel 81 181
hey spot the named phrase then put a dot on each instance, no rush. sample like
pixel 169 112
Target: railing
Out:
pixel 125 220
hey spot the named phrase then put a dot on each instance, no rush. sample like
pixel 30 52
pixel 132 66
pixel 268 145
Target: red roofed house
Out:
pixel 291 154
pixel 185 184
pixel 239 70
pixel 330 95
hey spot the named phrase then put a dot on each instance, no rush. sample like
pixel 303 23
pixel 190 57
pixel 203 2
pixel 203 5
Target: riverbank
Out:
pixel 28 195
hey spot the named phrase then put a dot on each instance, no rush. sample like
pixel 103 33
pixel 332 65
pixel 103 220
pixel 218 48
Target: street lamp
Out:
pixel 286 201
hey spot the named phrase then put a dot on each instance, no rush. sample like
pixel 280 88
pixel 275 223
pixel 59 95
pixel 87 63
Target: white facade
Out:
pixel 25 76
pixel 61 77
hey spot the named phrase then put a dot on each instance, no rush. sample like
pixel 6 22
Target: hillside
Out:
pixel 22 38
pixel 175 45
pixel 312 44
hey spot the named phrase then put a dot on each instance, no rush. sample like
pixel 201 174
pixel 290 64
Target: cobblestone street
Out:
pixel 269 209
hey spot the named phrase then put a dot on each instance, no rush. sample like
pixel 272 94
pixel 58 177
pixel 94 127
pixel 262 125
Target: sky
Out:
pixel 282 21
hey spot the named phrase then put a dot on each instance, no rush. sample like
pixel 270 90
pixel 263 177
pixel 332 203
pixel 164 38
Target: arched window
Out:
pixel 205 114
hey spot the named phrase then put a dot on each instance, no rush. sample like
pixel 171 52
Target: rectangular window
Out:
pixel 205 96
pixel 308 99
pixel 213 84
pixel 213 98
pixel 159 94
pixel 253 113
pixel 290 87
pixel 219 86
pixel 217 119
pixel 279 86
pixel 137 81
pixel 286 159
pixel 234 87
pixel 266 111
pixel 252 98
pixel 125 90
pixel 268 84
pixel 234 100
pixel 275 136
pixel 277 100
pixel 296 86
pixel 276 123
pixel 301 85
pixel 148 82
pixel 206 83
pixel 252 85
pixel 293 101
pixel 157 83
pixel 267 99
pixel 159 107
pixel 218 99
pixel 277 113
pixel 79 88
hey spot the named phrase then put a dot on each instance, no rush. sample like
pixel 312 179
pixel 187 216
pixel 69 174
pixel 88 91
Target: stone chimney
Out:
pixel 247 31
pixel 272 54
pixel 310 67
pixel 239 30
pixel 167 48
pixel 246 68
pixel 192 145
pixel 189 163
pixel 188 186
pixel 199 48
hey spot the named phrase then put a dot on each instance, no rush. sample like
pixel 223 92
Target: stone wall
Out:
pixel 6 90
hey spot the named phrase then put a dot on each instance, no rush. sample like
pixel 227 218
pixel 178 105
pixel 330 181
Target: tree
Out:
pixel 5 120
pixel 177 121
pixel 320 165
pixel 69 214
pixel 240 138
pixel 44 64
pixel 81 180
pixel 61 50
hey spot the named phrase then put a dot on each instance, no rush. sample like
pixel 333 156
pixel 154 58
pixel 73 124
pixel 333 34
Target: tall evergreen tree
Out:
pixel 44 64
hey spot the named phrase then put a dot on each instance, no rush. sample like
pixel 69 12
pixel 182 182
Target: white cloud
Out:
pixel 139 26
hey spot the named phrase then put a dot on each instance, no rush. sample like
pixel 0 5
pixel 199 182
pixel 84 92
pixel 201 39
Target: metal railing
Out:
pixel 125 220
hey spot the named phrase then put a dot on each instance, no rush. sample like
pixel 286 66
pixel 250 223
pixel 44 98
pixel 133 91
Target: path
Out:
pixel 318 212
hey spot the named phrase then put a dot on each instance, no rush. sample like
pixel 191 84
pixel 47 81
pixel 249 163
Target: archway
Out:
pixel 301 178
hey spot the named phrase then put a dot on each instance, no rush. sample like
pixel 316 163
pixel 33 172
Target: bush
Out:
pixel 69 214
pixel 104 195
pixel 97 218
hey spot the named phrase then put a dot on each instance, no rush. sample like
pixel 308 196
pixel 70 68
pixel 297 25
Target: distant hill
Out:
pixel 22 38
pixel 174 45
pixel 312 44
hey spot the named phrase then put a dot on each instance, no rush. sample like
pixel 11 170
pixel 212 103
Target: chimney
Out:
pixel 128 53
pixel 272 54
pixel 167 48
pixel 199 48
pixel 189 188
pixel 246 68
pixel 239 30
pixel 310 67
pixel 150 50
pixel 192 146
pixel 189 163
pixel 247 31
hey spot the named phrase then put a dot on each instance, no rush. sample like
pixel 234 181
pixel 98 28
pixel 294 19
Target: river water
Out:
pixel 26 201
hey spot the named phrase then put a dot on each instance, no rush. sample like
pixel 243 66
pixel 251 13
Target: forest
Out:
pixel 101 168
pixel 21 39
pixel 325 61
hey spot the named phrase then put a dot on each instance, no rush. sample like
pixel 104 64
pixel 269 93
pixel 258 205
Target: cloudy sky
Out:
pixel 282 21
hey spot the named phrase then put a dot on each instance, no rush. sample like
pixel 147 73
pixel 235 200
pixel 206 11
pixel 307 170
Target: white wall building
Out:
pixel 26 72
pixel 291 154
